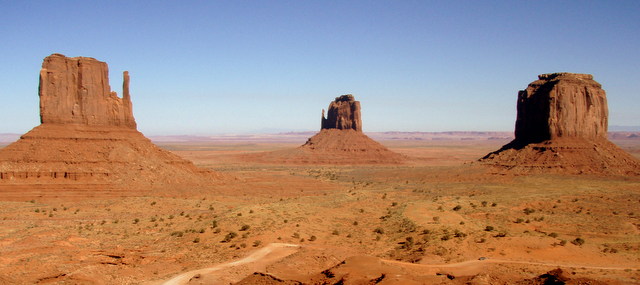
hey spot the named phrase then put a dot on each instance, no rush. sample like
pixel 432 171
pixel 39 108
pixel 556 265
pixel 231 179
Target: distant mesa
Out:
pixel 561 126
pixel 88 135
pixel 340 141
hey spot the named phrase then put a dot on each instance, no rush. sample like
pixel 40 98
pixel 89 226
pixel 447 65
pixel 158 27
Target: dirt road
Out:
pixel 254 262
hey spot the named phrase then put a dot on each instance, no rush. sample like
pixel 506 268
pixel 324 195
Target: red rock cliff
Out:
pixel 343 114
pixel 561 105
pixel 76 91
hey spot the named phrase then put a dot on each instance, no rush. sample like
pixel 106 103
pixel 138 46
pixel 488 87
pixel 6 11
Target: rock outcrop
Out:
pixel 560 105
pixel 343 114
pixel 88 135
pixel 561 126
pixel 340 141
pixel 76 91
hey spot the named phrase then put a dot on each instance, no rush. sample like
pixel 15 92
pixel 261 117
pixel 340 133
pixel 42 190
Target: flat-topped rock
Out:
pixel 561 127
pixel 561 105
pixel 343 114
pixel 75 90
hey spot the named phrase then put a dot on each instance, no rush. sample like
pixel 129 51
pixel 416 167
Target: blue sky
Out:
pixel 207 67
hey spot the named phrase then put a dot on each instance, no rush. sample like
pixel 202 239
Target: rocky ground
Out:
pixel 436 219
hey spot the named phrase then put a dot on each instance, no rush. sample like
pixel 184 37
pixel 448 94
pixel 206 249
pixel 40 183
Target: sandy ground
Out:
pixel 437 212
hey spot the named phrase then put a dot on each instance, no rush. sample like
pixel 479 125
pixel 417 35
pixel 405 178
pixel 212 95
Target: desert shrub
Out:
pixel 335 232
pixel 394 204
pixel 489 228
pixel 563 242
pixel 177 234
pixel 457 208
pixel 229 237
pixel 553 235
pixel 182 213
pixel 196 240
pixel 494 204
pixel 578 241
pixel 296 235
pixel 216 231
pixel 243 245
pixel 378 230
pixel 519 220
pixel 459 234
pixel 37 211
pixel 312 238
pixel 214 224
pixel 436 219
pixel 445 237
pixel 239 214
pixel 250 211
pixel 355 223
pixel 501 234
pixel 528 211
pixel 153 203
pixel 484 203
pixel 201 230
pixel 244 227
pixel 257 243
pixel 245 235
pixel 136 220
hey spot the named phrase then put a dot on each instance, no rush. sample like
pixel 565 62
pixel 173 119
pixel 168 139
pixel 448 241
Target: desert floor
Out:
pixel 438 214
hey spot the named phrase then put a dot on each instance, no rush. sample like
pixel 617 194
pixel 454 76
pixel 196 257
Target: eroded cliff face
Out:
pixel 561 127
pixel 76 91
pixel 561 105
pixel 343 114
pixel 88 135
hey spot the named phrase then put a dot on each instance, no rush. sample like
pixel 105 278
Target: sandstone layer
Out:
pixel 340 141
pixel 88 135
pixel 561 126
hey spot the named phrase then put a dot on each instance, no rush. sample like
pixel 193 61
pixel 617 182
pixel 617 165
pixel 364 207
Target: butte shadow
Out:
pixel 339 142
pixel 88 135
pixel 561 127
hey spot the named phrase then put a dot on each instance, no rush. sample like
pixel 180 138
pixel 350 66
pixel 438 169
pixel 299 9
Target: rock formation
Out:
pixel 561 105
pixel 76 91
pixel 561 126
pixel 340 141
pixel 88 135
pixel 343 114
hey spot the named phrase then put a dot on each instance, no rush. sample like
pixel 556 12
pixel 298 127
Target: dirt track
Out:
pixel 261 257
pixel 276 251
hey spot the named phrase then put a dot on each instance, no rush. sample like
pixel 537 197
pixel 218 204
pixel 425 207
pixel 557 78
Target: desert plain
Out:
pixel 438 218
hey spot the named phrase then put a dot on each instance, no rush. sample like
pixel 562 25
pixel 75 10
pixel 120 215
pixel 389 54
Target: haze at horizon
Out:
pixel 234 67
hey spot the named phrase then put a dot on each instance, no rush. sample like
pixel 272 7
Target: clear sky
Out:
pixel 207 67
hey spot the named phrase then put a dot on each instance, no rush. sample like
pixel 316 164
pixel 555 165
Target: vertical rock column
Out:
pixel 343 114
pixel 76 91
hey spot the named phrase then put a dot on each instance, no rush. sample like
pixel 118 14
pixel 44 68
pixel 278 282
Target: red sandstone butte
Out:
pixel 88 135
pixel 343 114
pixel 339 142
pixel 561 126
